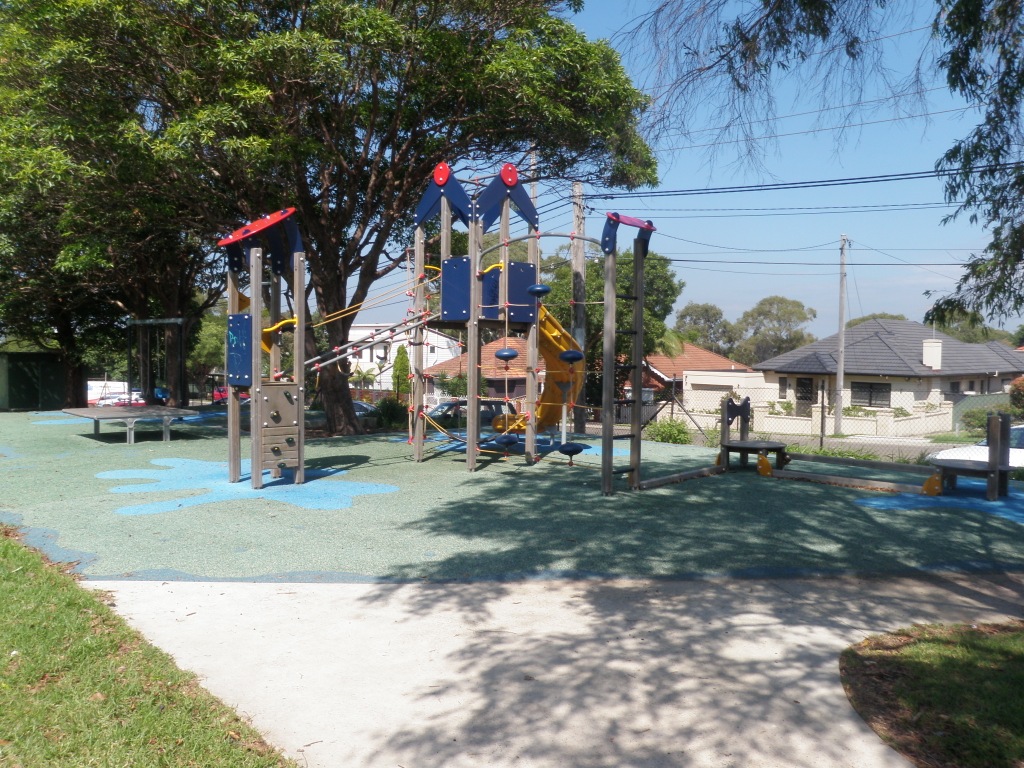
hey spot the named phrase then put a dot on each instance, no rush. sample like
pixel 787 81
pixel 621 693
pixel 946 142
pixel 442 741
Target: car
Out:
pixel 220 395
pixel 110 400
pixel 979 451
pixel 121 401
pixel 365 409
pixel 453 413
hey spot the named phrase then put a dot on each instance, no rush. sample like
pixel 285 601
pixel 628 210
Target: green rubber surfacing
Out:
pixel 378 515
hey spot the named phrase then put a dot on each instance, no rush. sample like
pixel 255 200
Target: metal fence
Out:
pixel 810 423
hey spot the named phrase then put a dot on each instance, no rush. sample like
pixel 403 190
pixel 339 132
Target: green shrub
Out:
pixel 843 453
pixel 900 412
pixel 975 420
pixel 780 408
pixel 392 412
pixel 855 410
pixel 668 431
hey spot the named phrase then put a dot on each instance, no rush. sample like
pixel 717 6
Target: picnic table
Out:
pixel 129 415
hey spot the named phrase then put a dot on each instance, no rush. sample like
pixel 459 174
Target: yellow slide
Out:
pixel 552 340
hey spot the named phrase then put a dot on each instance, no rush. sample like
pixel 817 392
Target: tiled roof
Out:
pixel 894 348
pixel 692 358
pixel 490 366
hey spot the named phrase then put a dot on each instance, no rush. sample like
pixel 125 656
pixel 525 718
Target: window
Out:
pixel 870 395
pixel 783 388
pixel 954 387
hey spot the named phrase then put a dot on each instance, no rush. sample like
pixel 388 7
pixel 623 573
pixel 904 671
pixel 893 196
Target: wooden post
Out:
pixel 608 382
pixel 256 408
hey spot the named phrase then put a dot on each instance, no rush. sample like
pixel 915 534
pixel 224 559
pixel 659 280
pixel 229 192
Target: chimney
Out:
pixel 931 355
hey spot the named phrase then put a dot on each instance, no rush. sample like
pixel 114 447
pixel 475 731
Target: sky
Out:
pixel 733 250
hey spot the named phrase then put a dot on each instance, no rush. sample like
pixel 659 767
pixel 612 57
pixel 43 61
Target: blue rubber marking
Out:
pixel 1007 507
pixel 211 476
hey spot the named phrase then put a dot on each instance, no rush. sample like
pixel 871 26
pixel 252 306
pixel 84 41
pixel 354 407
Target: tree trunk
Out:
pixel 337 399
pixel 75 383
pixel 173 335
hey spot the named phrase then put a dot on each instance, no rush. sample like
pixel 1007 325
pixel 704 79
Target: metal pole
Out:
pixel 821 431
pixel 532 345
pixel 636 420
pixel 579 292
pixel 473 341
pixel 608 381
pixel 837 413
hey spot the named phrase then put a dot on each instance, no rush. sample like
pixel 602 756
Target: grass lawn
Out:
pixel 78 687
pixel 943 696
pixel 968 438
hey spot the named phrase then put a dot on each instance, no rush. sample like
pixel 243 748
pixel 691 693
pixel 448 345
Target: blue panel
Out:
pixel 522 306
pixel 280 259
pixel 455 290
pixel 491 294
pixel 240 350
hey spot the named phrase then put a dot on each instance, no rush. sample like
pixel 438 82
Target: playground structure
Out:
pixel 744 446
pixel 277 407
pixel 508 297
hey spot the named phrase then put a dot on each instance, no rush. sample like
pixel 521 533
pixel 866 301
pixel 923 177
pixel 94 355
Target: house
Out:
pixel 698 376
pixel 695 376
pixel 898 366
pixel 500 377
pixel 377 355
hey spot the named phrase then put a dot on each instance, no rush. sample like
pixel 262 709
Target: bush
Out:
pixel 900 412
pixel 975 420
pixel 855 410
pixel 1017 396
pixel 781 408
pixel 668 431
pixel 392 412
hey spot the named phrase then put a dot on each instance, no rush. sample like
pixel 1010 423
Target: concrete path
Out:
pixel 549 673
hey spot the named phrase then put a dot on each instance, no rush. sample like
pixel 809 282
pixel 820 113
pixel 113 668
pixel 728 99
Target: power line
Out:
pixel 788 185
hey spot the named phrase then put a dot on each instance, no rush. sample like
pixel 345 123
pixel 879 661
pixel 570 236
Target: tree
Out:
pixel 705 325
pixel 103 220
pixel 661 289
pixel 400 373
pixel 874 316
pixel 342 110
pixel 727 59
pixel 771 327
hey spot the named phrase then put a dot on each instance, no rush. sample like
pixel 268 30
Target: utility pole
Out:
pixel 837 413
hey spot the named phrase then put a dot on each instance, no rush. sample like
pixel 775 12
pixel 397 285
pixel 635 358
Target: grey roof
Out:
pixel 894 348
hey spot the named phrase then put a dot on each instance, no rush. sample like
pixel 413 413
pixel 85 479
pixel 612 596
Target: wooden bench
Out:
pixel 129 415
pixel 998 475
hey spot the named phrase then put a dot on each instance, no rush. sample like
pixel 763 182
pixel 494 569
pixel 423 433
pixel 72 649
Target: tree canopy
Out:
pixel 705 325
pixel 188 118
pixel 727 58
